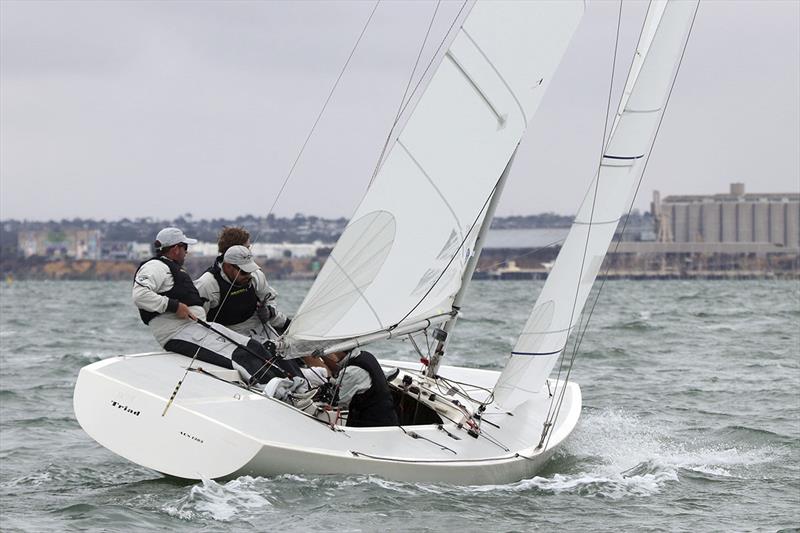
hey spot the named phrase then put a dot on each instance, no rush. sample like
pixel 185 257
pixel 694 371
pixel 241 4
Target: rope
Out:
pixel 455 253
pixel 438 49
pixel 579 338
pixel 555 405
pixel 639 183
pixel 405 93
pixel 403 105
pixel 283 186
pixel 324 106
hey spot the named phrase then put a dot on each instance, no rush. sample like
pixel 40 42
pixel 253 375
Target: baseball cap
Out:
pixel 172 236
pixel 242 257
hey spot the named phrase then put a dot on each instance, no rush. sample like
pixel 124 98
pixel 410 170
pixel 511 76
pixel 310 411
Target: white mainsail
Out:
pixel 401 258
pixel 564 294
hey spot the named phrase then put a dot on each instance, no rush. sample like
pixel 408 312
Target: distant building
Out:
pixel 736 217
pixel 125 250
pixel 63 243
pixel 265 249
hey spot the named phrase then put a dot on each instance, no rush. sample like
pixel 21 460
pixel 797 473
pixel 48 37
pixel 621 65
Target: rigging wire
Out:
pixel 316 122
pixel 283 186
pixel 579 338
pixel 402 108
pixel 405 93
pixel 435 55
pixel 324 106
pixel 638 185
pixel 455 253
pixel 554 406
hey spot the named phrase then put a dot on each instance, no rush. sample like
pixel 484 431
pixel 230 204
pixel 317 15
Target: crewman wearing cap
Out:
pixel 238 295
pixel 170 304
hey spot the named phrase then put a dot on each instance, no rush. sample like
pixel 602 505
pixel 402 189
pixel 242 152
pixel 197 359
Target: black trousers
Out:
pixel 261 367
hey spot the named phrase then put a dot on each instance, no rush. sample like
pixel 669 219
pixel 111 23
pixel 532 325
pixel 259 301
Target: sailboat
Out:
pixel 401 268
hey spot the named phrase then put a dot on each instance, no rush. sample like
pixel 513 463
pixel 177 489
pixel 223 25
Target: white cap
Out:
pixel 242 257
pixel 171 236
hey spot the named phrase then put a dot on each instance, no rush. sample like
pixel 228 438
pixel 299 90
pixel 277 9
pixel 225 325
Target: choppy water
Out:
pixel 691 421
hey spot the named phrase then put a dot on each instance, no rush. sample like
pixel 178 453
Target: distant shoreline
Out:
pixel 300 269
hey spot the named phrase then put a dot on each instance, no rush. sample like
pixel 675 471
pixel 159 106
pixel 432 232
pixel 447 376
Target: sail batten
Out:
pixel 559 306
pixel 417 222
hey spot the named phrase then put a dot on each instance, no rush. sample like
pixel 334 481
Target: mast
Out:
pixel 470 268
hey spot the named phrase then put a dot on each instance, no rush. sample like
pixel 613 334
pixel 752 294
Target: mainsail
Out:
pixel 401 258
pixel 564 294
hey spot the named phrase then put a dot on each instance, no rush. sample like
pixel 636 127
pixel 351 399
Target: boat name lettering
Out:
pixel 125 408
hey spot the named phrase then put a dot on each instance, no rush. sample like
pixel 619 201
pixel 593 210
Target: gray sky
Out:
pixel 128 109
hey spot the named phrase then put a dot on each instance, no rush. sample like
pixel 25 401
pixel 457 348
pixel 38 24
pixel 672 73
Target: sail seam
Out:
pixel 345 260
pixel 579 337
pixel 624 157
pixel 544 331
pixel 499 75
pixel 538 353
pixel 596 223
pixel 640 111
pixel 554 408
pixel 360 292
pixel 427 177
pixel 422 78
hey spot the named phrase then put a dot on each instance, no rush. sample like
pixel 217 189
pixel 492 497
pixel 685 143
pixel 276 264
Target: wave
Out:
pixel 618 455
pixel 636 325
pixel 76 360
pixel 641 322
pixel 49 422
pixel 222 502
pixel 717 327
pixel 612 455
pixel 6 394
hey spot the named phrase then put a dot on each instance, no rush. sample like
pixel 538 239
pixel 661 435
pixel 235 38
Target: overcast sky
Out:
pixel 129 109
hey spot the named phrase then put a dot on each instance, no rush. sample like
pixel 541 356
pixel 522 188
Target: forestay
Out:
pixel 564 294
pixel 401 257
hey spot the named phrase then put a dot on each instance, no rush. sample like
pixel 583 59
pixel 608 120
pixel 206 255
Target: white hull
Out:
pixel 215 429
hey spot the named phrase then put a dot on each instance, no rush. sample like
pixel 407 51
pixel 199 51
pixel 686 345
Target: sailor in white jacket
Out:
pixel 239 297
pixel 170 304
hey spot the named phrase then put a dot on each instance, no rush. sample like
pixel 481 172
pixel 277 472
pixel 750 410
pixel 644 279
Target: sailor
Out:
pixel 170 304
pixel 230 296
pixel 237 295
pixel 363 389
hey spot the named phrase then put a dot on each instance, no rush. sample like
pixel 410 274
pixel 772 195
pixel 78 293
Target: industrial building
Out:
pixel 736 217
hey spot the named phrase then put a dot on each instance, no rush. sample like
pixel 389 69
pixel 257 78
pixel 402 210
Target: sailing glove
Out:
pixel 265 313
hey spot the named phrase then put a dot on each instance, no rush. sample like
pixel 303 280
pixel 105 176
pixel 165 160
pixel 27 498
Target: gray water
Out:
pixel 691 421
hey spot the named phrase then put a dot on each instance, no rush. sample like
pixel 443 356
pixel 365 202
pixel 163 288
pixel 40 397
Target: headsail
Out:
pixel 402 255
pixel 564 294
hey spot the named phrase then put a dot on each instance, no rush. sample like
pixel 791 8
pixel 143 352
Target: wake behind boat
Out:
pixel 400 269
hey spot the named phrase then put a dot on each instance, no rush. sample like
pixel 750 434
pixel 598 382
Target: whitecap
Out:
pixel 621 455
pixel 236 499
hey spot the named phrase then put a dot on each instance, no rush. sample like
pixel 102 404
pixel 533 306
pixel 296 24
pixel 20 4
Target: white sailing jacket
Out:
pixel 153 278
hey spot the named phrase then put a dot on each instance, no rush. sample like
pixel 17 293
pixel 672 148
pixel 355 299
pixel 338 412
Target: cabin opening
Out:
pixel 410 411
